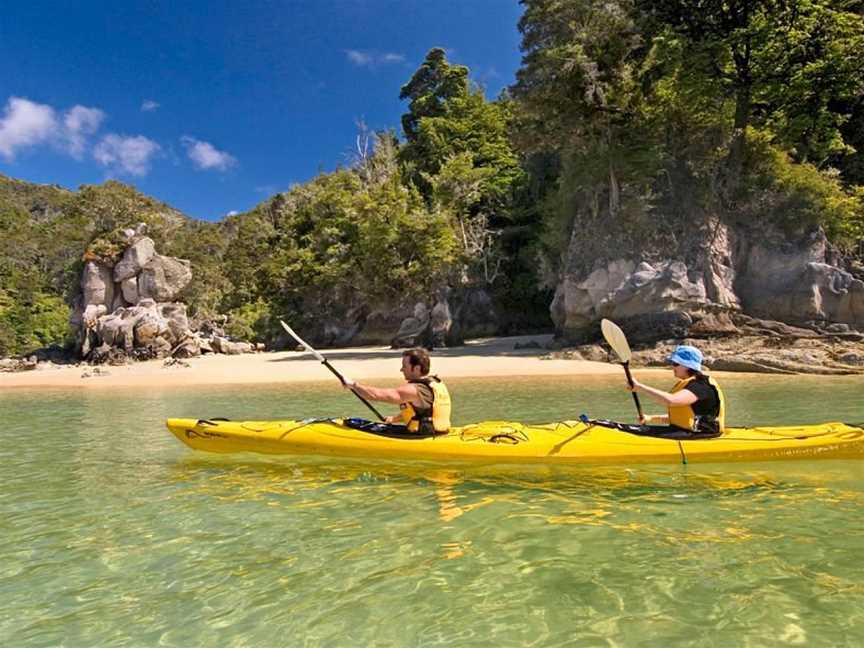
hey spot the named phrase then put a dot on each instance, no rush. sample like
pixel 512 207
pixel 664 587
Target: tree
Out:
pixel 448 117
pixel 579 97
pixel 788 66
pixel 343 240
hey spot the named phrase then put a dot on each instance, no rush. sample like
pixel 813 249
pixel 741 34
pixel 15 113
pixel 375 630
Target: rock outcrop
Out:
pixel 772 276
pixel 129 310
pixel 753 350
pixel 453 316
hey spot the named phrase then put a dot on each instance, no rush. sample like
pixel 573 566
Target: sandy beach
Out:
pixel 477 358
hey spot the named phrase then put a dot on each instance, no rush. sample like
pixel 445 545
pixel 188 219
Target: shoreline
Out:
pixel 482 358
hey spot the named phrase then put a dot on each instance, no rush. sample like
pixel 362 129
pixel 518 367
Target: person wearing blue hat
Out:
pixel 695 404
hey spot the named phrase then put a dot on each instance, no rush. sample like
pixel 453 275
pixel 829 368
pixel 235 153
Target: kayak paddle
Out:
pixel 616 339
pixel 327 364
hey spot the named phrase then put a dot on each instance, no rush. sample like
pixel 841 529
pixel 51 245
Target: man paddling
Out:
pixel 423 400
pixel 696 405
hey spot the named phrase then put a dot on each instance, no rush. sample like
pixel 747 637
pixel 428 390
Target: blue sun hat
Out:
pixel 687 356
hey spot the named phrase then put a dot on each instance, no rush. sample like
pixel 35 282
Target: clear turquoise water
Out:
pixel 113 534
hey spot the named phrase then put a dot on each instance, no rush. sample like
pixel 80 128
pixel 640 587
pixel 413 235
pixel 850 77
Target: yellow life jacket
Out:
pixel 683 416
pixel 439 416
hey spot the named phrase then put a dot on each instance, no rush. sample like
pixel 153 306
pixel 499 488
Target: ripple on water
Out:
pixel 111 533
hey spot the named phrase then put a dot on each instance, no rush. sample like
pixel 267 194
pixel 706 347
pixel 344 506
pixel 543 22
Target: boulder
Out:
pixel 162 278
pixel 414 330
pixel 174 314
pixel 713 324
pixel 127 312
pixel 719 263
pixel 106 353
pixel 767 327
pixel 223 345
pixel 787 278
pixel 190 347
pixel 136 256
pixel 440 323
pixel 160 347
pixel 593 353
pixel 207 326
pixel 97 284
pixel 92 313
pixel 129 290
pixel 148 328
pixel 771 267
pixel 117 329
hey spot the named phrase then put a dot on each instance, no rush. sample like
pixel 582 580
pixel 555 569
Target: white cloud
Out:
pixel 207 156
pixel 366 58
pixel 126 154
pixel 233 212
pixel 149 105
pixel 78 123
pixel 25 123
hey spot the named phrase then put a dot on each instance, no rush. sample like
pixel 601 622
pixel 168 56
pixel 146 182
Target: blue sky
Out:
pixel 214 106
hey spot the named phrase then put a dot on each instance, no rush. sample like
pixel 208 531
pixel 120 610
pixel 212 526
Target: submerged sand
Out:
pixel 489 357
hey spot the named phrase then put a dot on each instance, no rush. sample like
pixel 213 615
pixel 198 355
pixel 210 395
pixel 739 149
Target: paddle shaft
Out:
pixel 635 395
pixel 341 378
pixel 327 364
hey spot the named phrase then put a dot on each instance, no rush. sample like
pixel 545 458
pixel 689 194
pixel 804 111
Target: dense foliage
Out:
pixel 342 240
pixel 631 124
pixel 663 113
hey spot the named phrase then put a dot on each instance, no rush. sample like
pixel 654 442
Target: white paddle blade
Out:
pixel 616 339
pixel 300 341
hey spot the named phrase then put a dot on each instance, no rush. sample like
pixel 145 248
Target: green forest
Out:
pixel 630 123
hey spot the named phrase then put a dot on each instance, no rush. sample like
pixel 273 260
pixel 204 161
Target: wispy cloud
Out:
pixel 206 156
pixel 149 105
pixel 126 154
pixel 27 124
pixel 368 58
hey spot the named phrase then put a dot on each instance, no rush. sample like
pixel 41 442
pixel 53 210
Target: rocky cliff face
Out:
pixel 729 270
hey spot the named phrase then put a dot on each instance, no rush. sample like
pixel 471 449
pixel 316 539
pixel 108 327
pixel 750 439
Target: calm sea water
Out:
pixel 113 534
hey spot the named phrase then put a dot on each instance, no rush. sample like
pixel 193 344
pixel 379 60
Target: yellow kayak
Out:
pixel 565 442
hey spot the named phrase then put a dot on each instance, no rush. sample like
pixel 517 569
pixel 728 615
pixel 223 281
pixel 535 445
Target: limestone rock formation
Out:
pixel 129 310
pixel 771 275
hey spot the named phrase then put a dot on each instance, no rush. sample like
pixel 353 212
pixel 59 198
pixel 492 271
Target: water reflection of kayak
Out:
pixel 565 442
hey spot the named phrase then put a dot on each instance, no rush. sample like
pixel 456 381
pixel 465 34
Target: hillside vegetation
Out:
pixel 630 123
